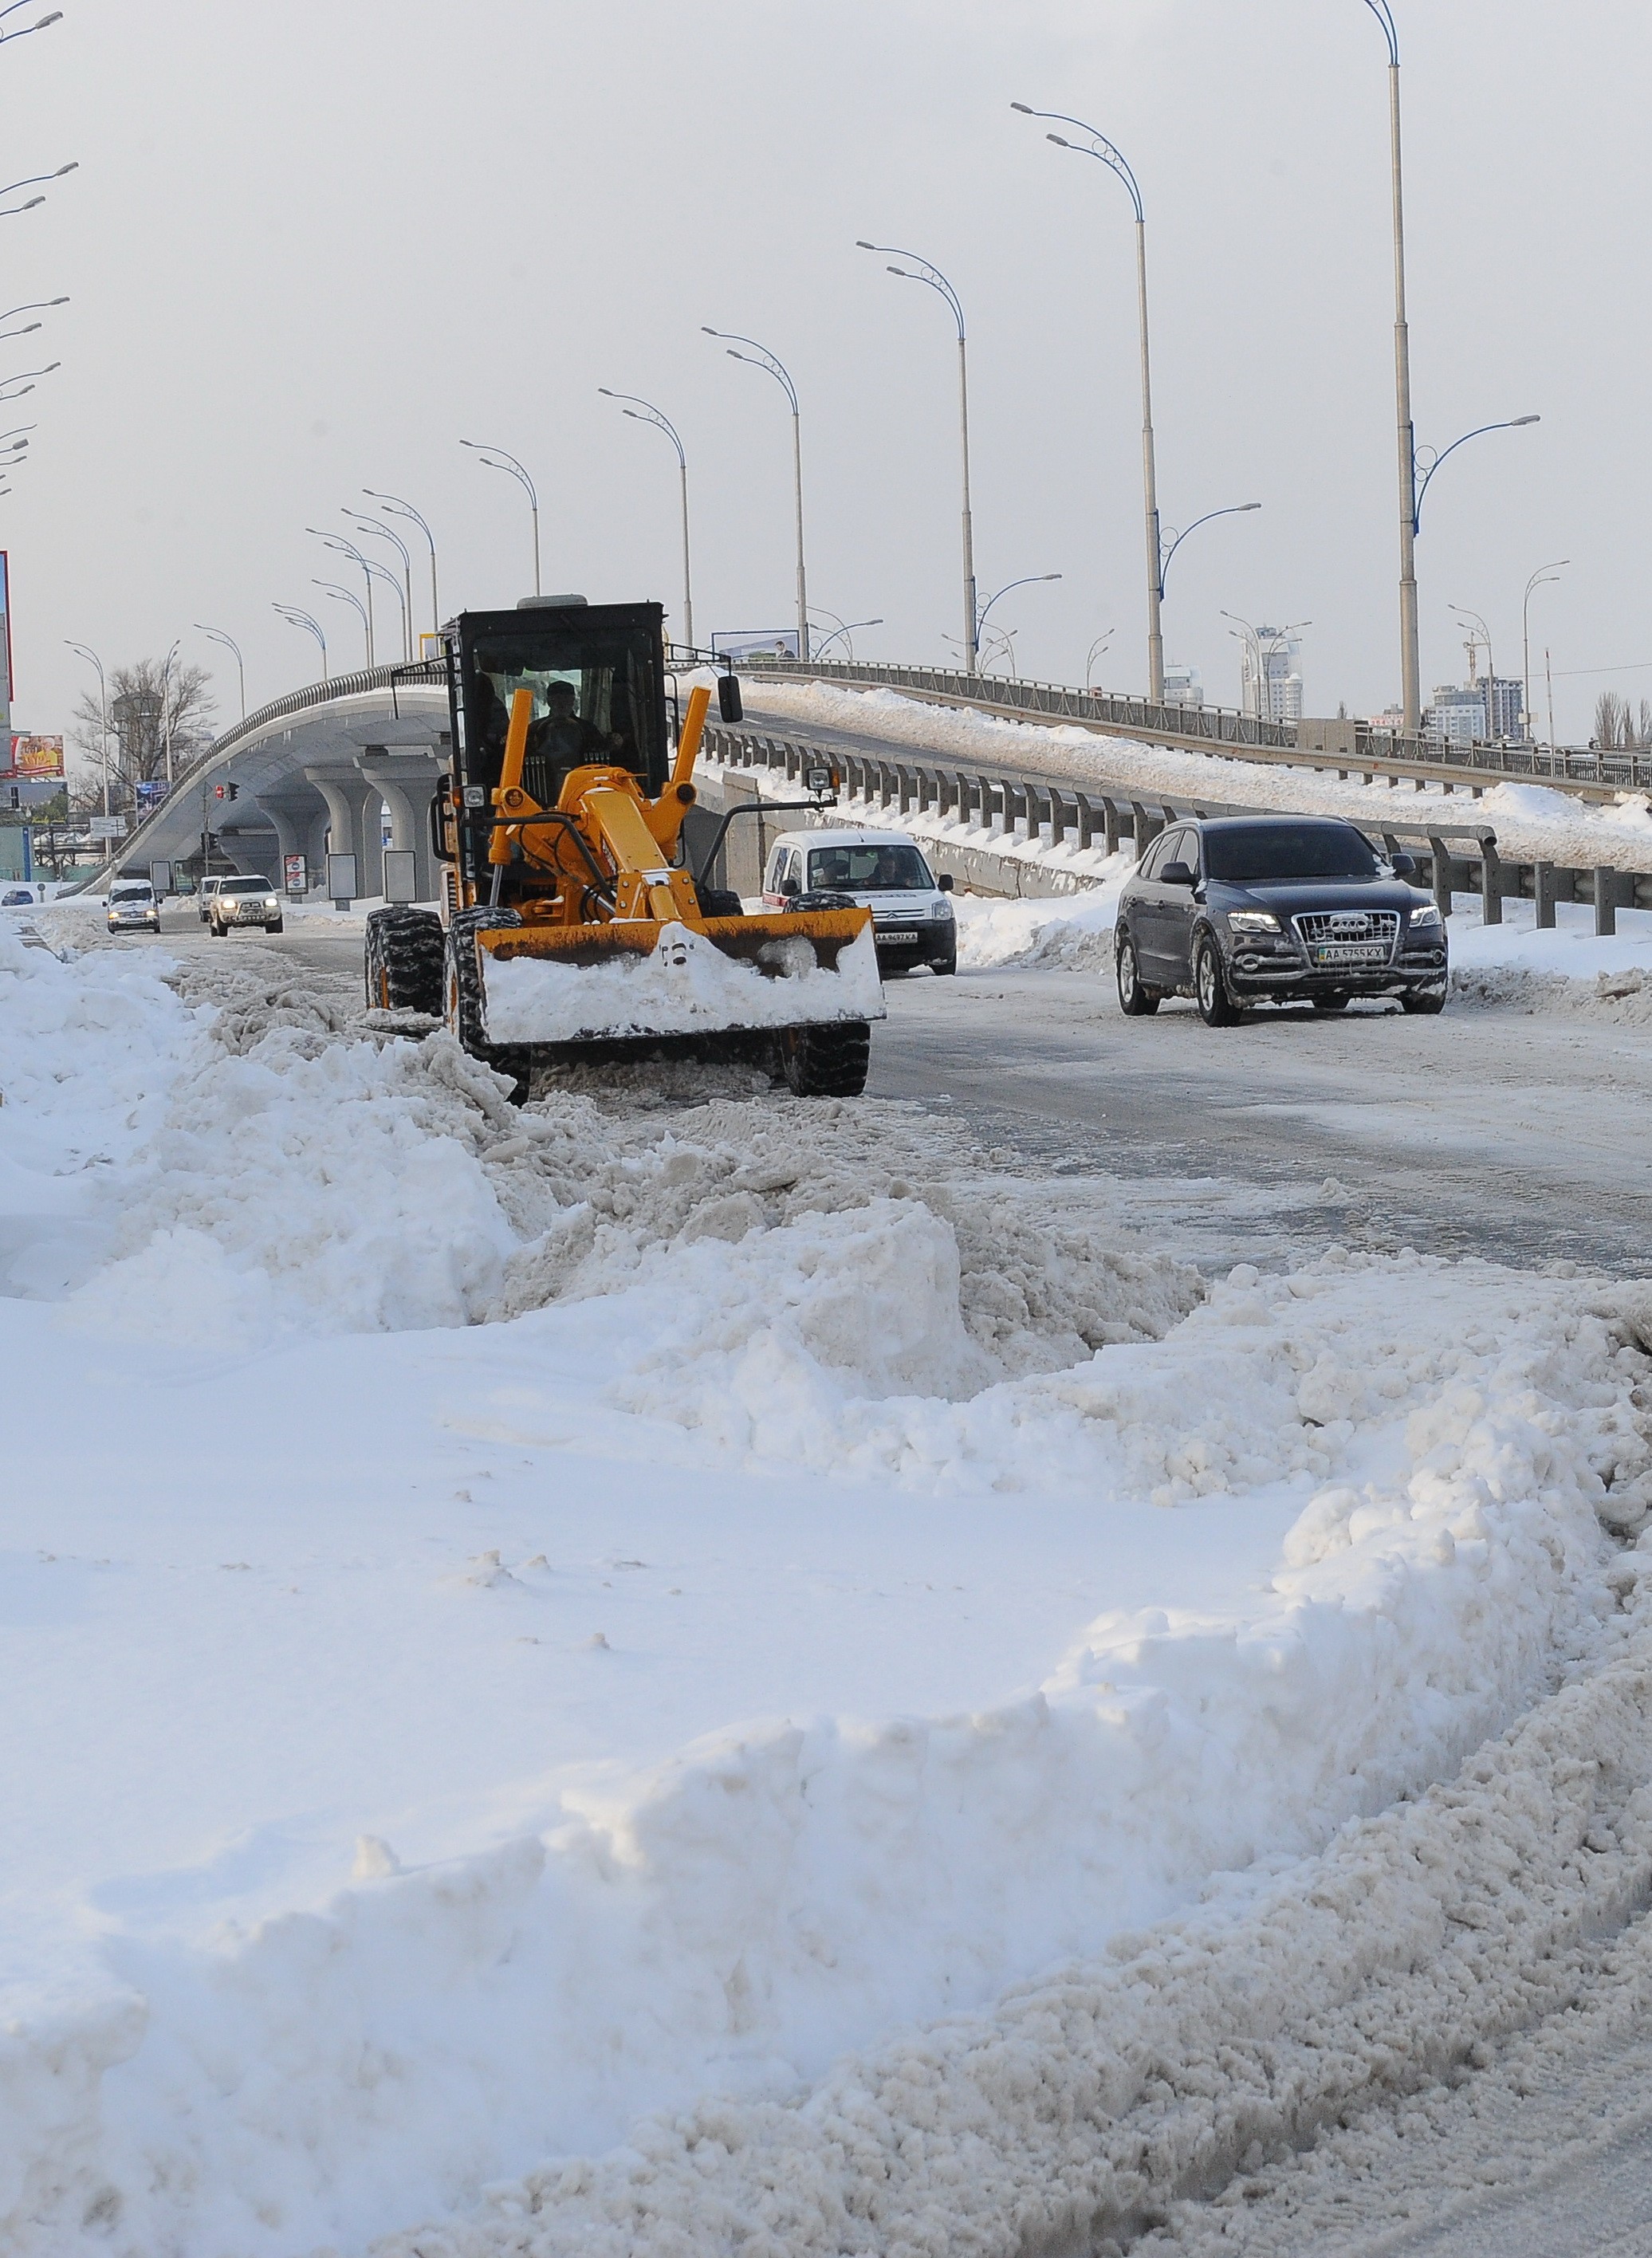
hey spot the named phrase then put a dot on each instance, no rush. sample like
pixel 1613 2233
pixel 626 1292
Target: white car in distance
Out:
pixel 133 906
pixel 243 901
pixel 884 872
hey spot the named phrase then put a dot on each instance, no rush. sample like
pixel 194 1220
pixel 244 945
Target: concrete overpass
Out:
pixel 323 766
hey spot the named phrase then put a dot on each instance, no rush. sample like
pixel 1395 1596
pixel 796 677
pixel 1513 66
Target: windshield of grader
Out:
pixel 596 697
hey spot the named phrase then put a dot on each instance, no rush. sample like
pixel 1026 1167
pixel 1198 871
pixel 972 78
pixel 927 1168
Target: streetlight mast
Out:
pixel 759 357
pixel 921 270
pixel 217 635
pixel 1102 149
pixel 296 618
pixel 394 507
pixel 643 411
pixel 497 459
pixel 92 659
pixel 1544 576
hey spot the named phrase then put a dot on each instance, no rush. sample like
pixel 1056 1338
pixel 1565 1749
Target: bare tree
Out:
pixel 1613 723
pixel 144 705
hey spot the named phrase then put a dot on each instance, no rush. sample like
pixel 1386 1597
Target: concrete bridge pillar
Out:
pixel 290 829
pixel 405 782
pixel 353 822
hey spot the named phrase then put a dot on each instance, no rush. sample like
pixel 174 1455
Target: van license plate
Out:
pixel 886 934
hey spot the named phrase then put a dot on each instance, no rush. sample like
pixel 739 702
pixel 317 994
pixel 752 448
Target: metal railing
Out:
pixel 1217 729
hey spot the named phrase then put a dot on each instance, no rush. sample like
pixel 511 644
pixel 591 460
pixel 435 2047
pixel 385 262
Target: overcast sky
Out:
pixel 311 246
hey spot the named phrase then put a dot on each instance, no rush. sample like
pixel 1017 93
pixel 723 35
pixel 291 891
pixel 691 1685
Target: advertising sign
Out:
pixel 5 648
pixel 752 642
pixel 151 793
pixel 161 879
pixel 36 756
pixel 400 879
pixel 341 880
pixel 297 874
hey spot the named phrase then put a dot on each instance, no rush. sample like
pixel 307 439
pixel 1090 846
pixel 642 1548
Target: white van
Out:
pixel 131 903
pixel 885 871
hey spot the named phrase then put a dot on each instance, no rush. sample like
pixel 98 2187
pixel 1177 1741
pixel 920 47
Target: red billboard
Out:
pixel 36 756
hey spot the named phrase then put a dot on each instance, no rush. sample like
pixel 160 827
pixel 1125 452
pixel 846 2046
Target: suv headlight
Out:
pixel 1425 913
pixel 1252 922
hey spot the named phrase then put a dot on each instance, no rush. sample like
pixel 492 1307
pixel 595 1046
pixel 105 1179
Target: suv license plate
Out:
pixel 885 933
pixel 1352 951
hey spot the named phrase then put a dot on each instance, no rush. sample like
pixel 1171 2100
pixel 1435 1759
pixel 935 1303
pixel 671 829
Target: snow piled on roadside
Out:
pixel 1532 822
pixel 837 1290
pixel 1108 2089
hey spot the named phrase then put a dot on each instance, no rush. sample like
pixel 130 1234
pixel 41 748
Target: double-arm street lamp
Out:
pixel 380 532
pixel 643 411
pixel 1097 144
pixel 394 507
pixel 759 357
pixel 348 596
pixel 39 306
pixel 844 627
pixel 1544 576
pixel 92 659
pixel 296 618
pixel 921 270
pixel 35 180
pixel 217 635
pixel 497 459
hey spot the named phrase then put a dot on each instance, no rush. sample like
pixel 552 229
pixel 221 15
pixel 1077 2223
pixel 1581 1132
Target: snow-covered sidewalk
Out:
pixel 522 1621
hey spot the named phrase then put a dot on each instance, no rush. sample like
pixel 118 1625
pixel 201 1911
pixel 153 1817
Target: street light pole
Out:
pixel 643 411
pixel 921 270
pixel 846 629
pixel 348 549
pixel 759 357
pixel 394 507
pixel 1544 576
pixel 384 533
pixel 1026 583
pixel 217 635
pixel 166 705
pixel 347 596
pixel 1233 509
pixel 1103 150
pixel 92 659
pixel 296 618
pixel 497 459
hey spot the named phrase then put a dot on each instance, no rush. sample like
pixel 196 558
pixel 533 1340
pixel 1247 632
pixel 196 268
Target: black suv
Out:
pixel 1242 910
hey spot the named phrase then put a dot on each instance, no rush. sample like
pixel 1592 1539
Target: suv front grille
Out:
pixel 1369 936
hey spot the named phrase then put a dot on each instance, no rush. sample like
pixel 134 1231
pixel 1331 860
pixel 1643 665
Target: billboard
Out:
pixel 755 643
pixel 151 793
pixel 36 756
pixel 5 648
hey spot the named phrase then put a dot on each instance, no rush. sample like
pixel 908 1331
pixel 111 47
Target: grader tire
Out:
pixel 404 961
pixel 463 1000
pixel 826 1061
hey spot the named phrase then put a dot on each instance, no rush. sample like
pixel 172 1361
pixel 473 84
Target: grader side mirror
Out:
pixel 728 699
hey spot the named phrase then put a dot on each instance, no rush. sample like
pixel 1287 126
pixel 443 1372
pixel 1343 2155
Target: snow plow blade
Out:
pixel 634 980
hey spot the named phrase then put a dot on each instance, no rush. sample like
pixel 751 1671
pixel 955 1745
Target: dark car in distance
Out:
pixel 1235 911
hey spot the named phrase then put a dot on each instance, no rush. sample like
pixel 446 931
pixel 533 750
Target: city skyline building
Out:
pixel 1274 693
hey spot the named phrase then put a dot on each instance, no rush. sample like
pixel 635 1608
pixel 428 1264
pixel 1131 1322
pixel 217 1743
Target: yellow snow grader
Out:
pixel 572 925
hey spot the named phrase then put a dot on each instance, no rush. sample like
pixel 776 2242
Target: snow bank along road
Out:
pixel 676 1671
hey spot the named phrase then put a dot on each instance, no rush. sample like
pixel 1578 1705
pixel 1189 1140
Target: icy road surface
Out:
pixel 672 1669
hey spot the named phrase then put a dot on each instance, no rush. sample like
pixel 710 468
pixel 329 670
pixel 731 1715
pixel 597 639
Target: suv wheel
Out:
pixel 1423 1003
pixel 1134 1001
pixel 1209 985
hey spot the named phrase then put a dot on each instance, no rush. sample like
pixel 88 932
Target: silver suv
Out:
pixel 243 901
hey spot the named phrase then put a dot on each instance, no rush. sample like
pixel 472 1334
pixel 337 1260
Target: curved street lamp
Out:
pixel 295 618
pixel 846 629
pixel 349 596
pixel 759 357
pixel 1544 576
pixel 166 704
pixel 230 643
pixel 371 525
pixel 497 459
pixel 1097 146
pixel 1510 423
pixel 23 29
pixel 343 547
pixel 394 507
pixel 644 411
pixel 92 659
pixel 1009 584
pixel 1234 509
pixel 921 270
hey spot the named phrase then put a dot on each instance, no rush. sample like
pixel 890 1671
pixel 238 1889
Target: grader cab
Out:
pixel 572 925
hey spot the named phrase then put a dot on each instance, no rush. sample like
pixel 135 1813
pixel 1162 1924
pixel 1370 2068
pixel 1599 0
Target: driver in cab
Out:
pixel 562 739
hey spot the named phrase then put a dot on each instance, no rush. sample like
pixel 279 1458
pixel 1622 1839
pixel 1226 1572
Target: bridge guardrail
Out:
pixel 1219 729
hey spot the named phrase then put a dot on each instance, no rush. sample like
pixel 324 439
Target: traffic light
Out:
pixel 234 791
pixel 217 791
pixel 226 790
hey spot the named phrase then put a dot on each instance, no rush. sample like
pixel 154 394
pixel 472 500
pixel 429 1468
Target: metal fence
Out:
pixel 1217 729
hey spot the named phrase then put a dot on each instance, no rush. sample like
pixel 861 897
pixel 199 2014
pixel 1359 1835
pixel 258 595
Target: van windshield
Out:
pixel 137 889
pixel 1261 851
pixel 869 868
